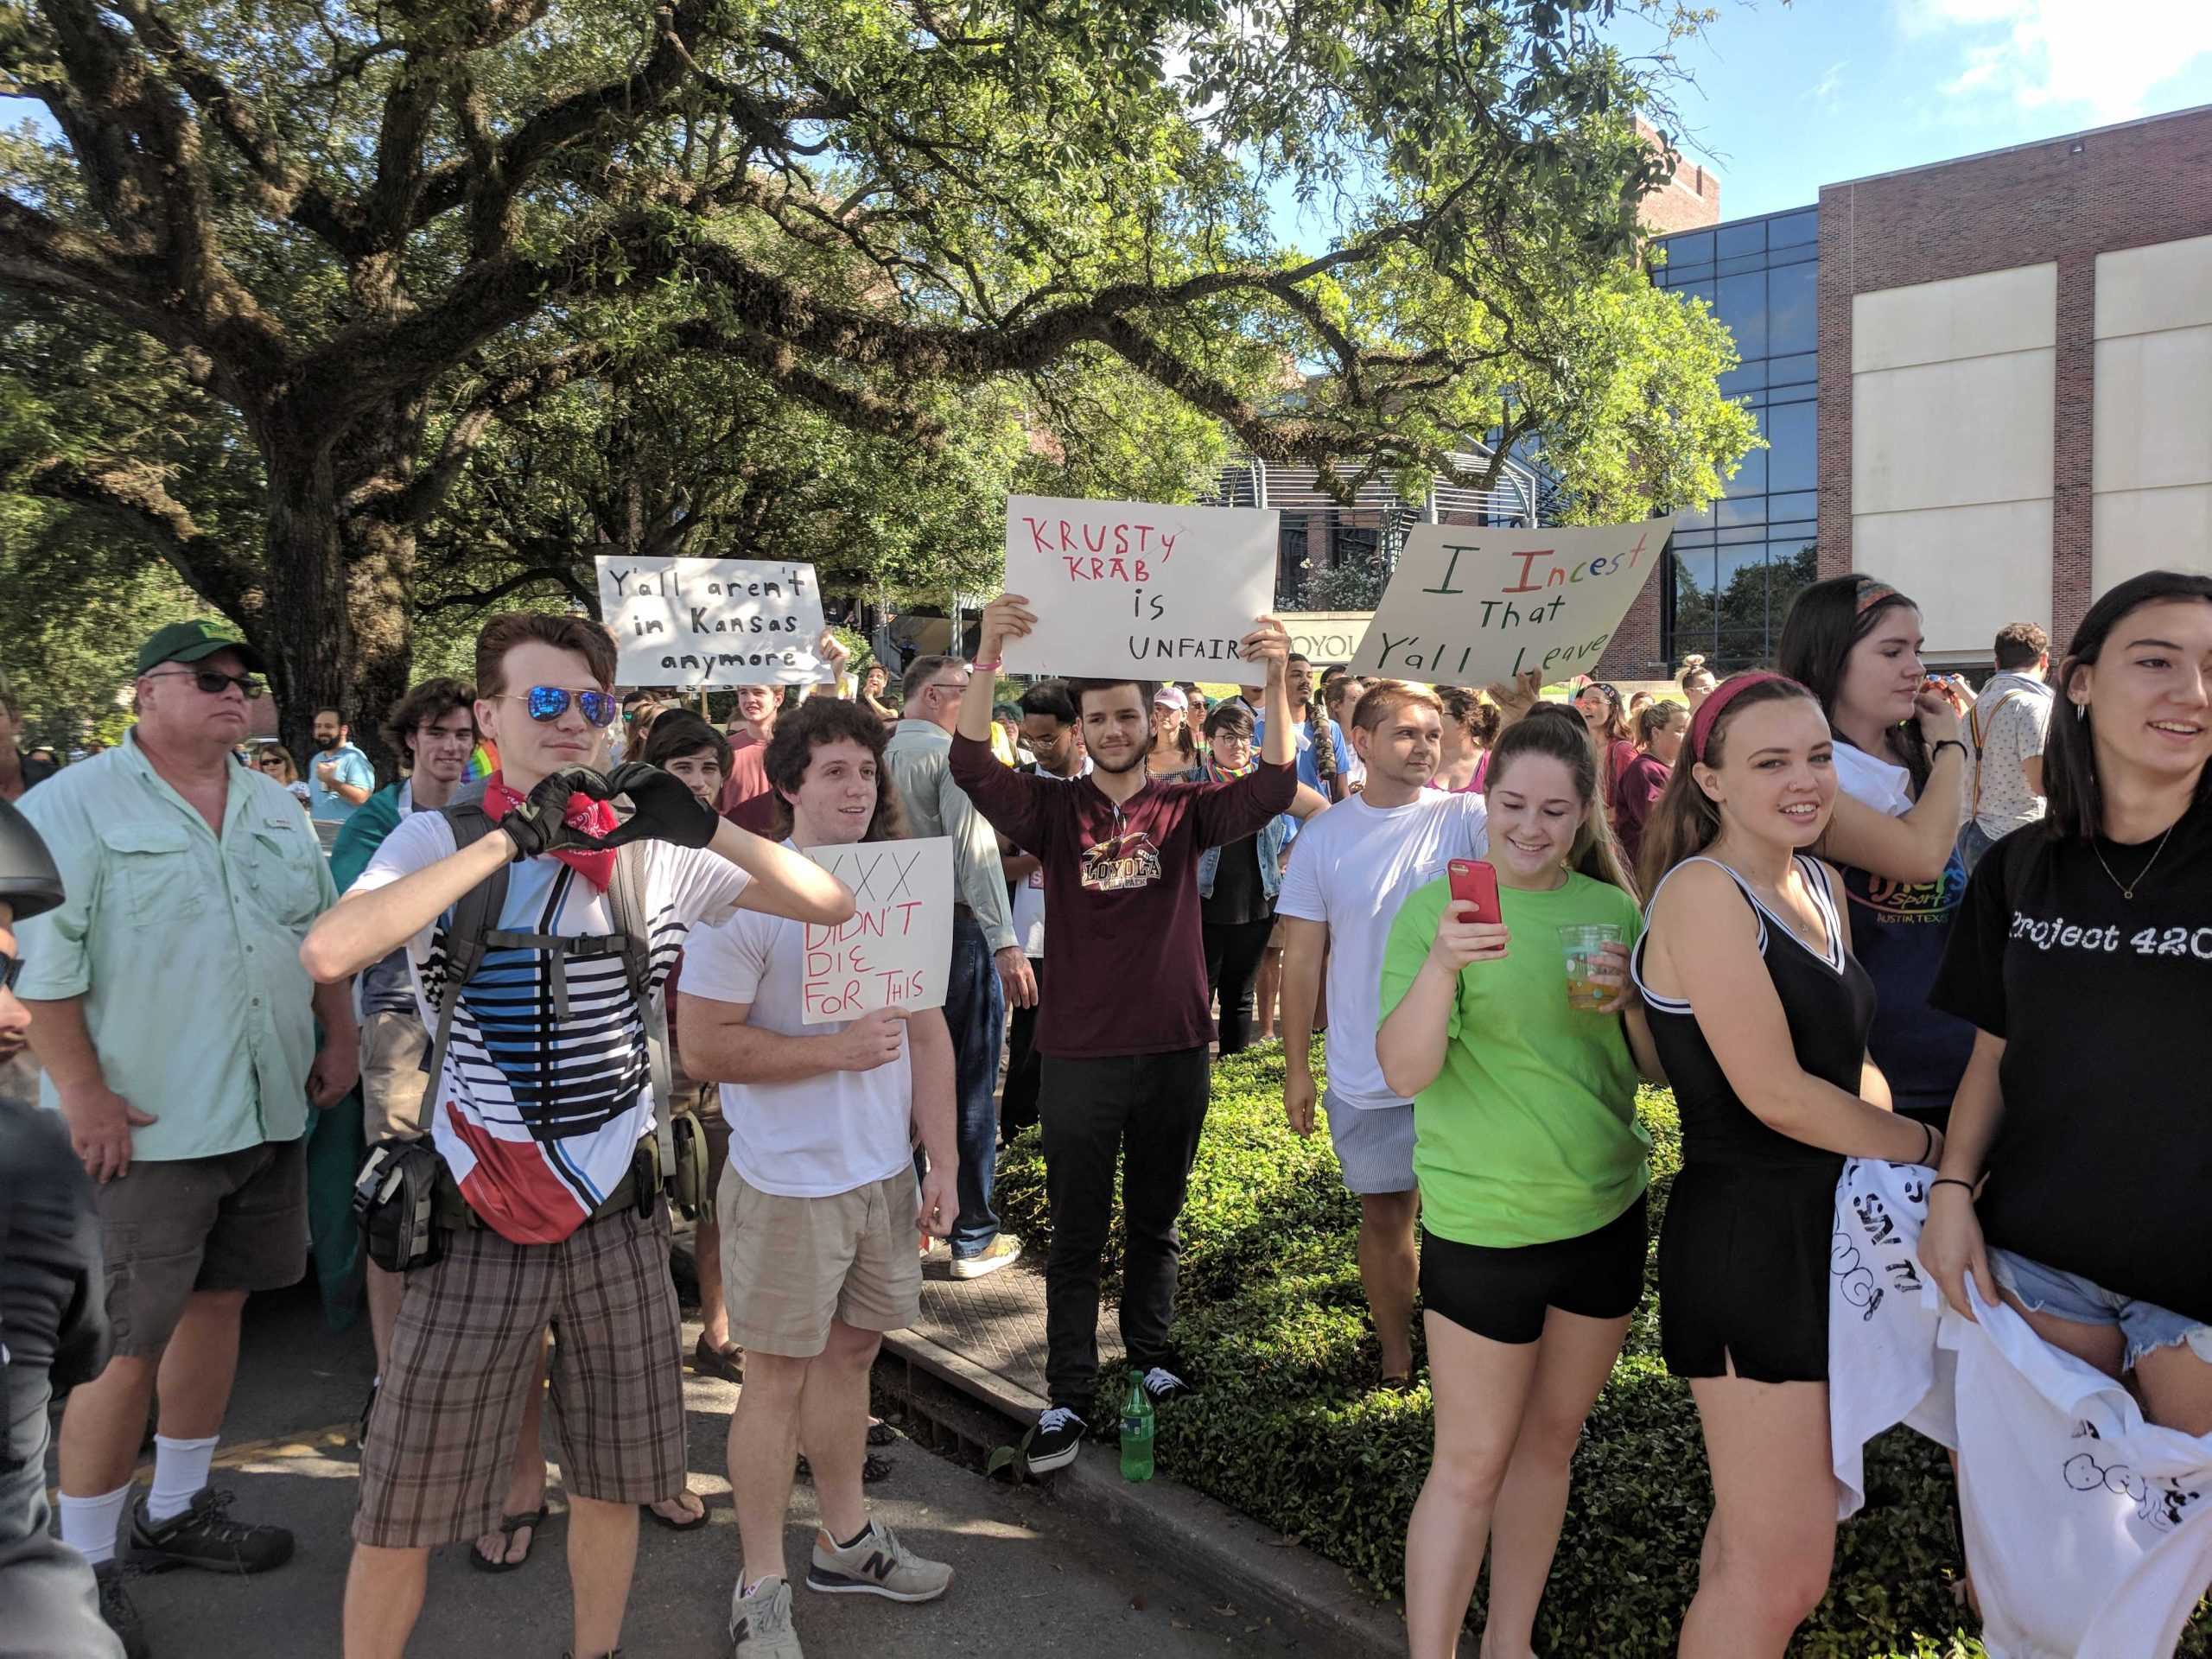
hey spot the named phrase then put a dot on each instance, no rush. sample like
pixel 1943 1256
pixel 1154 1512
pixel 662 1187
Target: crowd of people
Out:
pixel 1841 908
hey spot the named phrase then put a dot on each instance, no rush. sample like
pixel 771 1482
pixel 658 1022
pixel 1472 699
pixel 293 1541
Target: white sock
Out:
pixel 180 1475
pixel 89 1524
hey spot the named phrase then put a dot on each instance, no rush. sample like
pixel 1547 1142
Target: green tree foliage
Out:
pixel 376 237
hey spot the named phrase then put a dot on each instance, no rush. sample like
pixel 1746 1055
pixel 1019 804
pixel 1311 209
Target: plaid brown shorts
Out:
pixel 436 1459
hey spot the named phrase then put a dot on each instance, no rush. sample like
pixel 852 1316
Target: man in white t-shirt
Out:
pixel 2007 727
pixel 541 1116
pixel 817 1204
pixel 1350 869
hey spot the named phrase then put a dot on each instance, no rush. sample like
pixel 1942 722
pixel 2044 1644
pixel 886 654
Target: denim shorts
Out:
pixel 2146 1326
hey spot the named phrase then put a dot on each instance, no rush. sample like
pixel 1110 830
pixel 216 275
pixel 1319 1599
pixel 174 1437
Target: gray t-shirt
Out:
pixel 2011 717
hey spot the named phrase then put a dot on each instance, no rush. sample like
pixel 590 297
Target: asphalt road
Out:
pixel 1031 1579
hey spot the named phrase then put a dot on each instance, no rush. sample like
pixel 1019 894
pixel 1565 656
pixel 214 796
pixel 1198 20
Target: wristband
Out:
pixel 1951 743
pixel 1950 1180
pixel 980 666
pixel 1928 1143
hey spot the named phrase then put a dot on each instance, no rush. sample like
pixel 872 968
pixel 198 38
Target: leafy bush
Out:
pixel 1286 1425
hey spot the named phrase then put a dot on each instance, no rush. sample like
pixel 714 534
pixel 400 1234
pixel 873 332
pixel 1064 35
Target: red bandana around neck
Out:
pixel 594 818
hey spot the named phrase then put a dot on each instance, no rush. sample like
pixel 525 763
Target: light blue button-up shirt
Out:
pixel 186 948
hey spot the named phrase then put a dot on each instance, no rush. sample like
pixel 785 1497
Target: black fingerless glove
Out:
pixel 665 808
pixel 540 824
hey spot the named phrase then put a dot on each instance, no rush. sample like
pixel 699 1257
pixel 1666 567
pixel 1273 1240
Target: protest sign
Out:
pixel 1326 636
pixel 687 622
pixel 1475 606
pixel 895 950
pixel 1127 589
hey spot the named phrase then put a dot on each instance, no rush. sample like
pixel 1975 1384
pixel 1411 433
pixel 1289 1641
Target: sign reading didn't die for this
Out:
pixel 712 621
pixel 1475 606
pixel 895 950
pixel 1130 589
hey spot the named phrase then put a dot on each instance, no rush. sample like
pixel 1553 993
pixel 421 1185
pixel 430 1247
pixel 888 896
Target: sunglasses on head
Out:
pixel 215 685
pixel 549 703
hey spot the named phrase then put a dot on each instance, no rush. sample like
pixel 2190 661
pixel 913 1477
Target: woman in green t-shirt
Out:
pixel 1532 1168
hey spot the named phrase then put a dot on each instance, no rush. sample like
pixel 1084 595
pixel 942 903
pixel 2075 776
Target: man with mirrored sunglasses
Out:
pixel 543 1099
pixel 177 1030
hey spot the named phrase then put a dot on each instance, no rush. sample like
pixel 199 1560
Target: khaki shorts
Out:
pixel 395 1090
pixel 792 1265
pixel 236 1221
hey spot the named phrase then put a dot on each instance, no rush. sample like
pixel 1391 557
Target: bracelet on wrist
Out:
pixel 1951 1181
pixel 979 666
pixel 1950 743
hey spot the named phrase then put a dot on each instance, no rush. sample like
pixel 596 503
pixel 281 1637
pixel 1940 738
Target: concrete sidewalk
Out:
pixel 1035 1576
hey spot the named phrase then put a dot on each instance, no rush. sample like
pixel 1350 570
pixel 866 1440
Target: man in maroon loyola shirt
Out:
pixel 1124 1024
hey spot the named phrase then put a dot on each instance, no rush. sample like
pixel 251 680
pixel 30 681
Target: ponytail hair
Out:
pixel 1558 733
pixel 1685 820
pixel 1654 718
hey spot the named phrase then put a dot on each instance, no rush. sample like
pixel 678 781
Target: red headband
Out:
pixel 1708 712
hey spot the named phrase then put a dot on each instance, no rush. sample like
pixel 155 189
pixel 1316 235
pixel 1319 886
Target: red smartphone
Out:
pixel 1474 882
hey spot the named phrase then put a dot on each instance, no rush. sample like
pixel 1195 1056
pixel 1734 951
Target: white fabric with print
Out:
pixel 2089 1531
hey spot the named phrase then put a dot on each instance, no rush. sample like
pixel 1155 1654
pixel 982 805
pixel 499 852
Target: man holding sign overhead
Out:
pixel 1124 1025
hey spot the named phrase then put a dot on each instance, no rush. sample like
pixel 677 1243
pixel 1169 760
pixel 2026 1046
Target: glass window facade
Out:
pixel 1732 569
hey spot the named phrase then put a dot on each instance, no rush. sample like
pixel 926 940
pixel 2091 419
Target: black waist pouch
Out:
pixel 395 1202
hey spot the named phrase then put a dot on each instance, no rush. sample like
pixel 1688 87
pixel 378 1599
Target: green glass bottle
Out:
pixel 1136 1433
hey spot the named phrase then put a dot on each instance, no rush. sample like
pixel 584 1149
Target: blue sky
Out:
pixel 1789 98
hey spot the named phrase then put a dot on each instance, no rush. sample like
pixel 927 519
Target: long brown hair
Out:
pixel 1557 733
pixel 1685 820
pixel 1825 623
pixel 829 719
pixel 2070 766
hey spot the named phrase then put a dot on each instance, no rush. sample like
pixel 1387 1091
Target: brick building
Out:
pixel 2001 400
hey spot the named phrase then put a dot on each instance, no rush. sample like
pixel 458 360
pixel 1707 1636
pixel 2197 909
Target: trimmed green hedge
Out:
pixel 1287 1427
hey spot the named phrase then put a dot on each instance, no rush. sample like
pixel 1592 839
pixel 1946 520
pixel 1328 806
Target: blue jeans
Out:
pixel 974 1010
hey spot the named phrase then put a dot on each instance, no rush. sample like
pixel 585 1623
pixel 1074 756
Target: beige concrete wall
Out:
pixel 2152 477
pixel 1952 399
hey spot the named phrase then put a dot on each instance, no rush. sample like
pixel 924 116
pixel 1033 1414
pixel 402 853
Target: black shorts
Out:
pixel 1502 1293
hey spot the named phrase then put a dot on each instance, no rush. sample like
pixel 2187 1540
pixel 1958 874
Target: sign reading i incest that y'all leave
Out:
pixel 1126 589
pixel 712 621
pixel 895 950
pixel 1473 607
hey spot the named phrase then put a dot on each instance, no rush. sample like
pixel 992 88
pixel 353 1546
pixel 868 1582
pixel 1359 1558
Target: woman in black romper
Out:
pixel 1760 1015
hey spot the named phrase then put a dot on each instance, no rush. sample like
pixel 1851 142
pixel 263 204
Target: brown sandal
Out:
pixel 510 1525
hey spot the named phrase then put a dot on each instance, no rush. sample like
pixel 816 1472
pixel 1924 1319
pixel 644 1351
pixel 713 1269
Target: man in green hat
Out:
pixel 176 1028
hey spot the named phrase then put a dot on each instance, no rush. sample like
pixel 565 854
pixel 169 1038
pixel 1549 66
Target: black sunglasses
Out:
pixel 11 969
pixel 549 703
pixel 215 685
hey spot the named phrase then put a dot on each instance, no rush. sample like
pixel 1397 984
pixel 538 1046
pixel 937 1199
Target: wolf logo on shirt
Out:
pixel 1120 862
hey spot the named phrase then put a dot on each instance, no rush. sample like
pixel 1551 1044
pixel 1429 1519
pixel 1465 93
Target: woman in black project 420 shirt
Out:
pixel 2083 957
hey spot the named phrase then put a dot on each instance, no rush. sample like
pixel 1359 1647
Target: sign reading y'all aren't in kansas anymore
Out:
pixel 1473 607
pixel 1130 589
pixel 712 621
pixel 895 949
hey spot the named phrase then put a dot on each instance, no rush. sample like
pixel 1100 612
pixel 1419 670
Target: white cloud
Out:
pixel 2102 57
pixel 1823 92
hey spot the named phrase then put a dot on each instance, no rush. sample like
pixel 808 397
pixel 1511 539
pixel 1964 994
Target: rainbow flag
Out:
pixel 483 760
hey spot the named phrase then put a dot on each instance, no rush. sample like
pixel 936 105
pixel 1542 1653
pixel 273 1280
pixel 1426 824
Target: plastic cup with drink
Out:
pixel 1592 980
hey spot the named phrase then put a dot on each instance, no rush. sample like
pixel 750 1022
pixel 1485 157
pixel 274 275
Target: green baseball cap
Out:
pixel 189 642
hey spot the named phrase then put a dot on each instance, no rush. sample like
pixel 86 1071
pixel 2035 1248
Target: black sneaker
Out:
pixel 1163 1385
pixel 1055 1439
pixel 120 1613
pixel 205 1536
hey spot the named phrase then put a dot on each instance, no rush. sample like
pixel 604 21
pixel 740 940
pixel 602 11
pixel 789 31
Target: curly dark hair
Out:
pixel 426 702
pixel 829 719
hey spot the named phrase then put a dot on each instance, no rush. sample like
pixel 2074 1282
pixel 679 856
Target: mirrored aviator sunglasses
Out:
pixel 549 703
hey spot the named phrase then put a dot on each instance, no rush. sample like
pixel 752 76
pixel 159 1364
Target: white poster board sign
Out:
pixel 1128 589
pixel 690 622
pixel 1324 637
pixel 895 950
pixel 1475 606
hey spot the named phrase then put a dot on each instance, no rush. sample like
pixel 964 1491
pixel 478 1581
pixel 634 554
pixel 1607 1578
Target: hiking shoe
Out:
pixel 205 1536
pixel 1055 1439
pixel 879 1565
pixel 760 1624
pixel 1163 1385
pixel 1001 1252
pixel 120 1613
